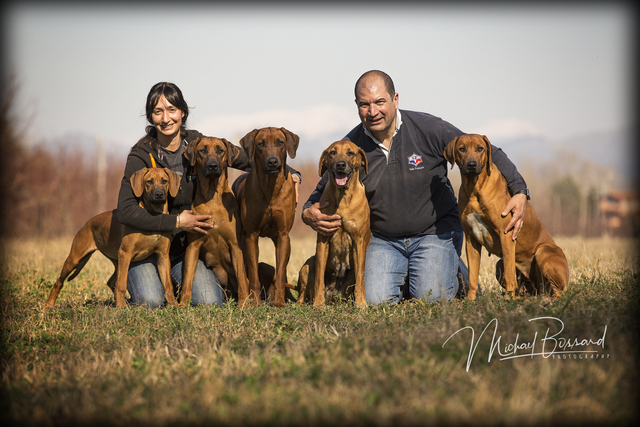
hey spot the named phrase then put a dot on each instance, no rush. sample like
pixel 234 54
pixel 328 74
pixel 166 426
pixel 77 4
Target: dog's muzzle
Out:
pixel 157 196
pixel 272 165
pixel 212 169
pixel 341 173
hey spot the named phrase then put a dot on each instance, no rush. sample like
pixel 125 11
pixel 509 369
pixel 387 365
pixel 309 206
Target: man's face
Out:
pixel 376 107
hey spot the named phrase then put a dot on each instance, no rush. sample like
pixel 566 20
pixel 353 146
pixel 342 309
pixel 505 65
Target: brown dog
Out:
pixel 219 249
pixel 123 244
pixel 339 261
pixel 267 200
pixel 540 264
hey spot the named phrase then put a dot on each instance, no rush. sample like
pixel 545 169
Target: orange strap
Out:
pixel 153 162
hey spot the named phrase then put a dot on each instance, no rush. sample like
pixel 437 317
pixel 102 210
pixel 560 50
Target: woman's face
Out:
pixel 167 118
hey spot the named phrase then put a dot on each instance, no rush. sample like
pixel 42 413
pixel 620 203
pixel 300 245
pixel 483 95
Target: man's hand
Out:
pixel 193 223
pixel 321 223
pixel 517 206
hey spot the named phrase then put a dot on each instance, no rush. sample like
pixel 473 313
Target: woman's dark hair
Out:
pixel 173 94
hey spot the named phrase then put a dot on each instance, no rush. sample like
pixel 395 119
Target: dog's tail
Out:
pixel 80 266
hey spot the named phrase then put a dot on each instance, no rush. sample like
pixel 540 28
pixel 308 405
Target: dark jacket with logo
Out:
pixel 410 194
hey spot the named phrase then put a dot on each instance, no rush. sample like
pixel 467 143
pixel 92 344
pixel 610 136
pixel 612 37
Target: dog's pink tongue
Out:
pixel 341 179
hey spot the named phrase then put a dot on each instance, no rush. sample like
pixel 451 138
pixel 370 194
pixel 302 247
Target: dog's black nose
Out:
pixel 341 165
pixel 213 168
pixel 273 163
pixel 158 194
pixel 472 164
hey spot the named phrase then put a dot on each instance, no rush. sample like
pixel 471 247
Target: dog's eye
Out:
pixel 462 149
pixel 280 143
pixel 350 153
pixel 480 149
pixel 220 151
pixel 332 152
pixel 164 181
pixel 203 150
pixel 150 181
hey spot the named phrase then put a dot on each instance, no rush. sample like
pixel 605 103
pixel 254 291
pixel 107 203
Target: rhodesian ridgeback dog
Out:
pixel 123 244
pixel 267 200
pixel 219 248
pixel 339 261
pixel 533 260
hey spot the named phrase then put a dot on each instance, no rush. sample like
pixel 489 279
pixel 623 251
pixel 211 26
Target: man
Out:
pixel 416 236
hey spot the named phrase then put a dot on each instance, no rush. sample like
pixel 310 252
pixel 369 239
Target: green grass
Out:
pixel 87 362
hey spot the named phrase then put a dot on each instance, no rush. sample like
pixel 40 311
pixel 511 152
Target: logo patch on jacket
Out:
pixel 415 159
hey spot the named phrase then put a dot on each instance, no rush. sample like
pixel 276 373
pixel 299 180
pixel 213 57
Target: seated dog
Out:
pixel 123 244
pixel 539 263
pixel 338 265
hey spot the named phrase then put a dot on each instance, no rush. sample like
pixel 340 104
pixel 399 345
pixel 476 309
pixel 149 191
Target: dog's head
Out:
pixel 153 185
pixel 269 147
pixel 472 154
pixel 342 159
pixel 211 156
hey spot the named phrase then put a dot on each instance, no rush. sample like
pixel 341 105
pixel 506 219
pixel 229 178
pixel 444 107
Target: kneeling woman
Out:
pixel 164 143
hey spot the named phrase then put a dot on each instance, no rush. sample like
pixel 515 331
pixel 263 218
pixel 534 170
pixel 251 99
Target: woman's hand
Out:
pixel 193 223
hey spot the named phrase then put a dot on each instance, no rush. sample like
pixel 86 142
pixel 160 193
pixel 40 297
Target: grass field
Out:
pixel 86 362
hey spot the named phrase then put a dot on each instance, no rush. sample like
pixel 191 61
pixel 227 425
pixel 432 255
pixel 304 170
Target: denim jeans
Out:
pixel 420 267
pixel 145 288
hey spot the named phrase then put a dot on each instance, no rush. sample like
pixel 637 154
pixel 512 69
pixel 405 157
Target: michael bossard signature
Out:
pixel 551 345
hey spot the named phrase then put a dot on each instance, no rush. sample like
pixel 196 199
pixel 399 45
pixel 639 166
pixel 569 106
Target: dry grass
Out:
pixel 86 362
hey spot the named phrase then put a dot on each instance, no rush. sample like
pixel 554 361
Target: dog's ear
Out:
pixel 137 181
pixel 323 165
pixel 450 151
pixel 174 182
pixel 190 151
pixel 363 160
pixel 292 142
pixel 247 143
pixel 489 153
pixel 232 152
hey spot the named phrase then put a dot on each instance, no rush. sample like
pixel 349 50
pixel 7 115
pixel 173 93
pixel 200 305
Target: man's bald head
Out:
pixel 371 77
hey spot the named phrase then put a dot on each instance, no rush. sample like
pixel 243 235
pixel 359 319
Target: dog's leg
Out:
pixel 554 269
pixel 237 258
pixel 509 260
pixel 164 270
pixel 283 252
pixel 189 270
pixel 124 259
pixel 322 252
pixel 360 248
pixel 473 249
pixel 82 248
pixel 304 278
pixel 252 253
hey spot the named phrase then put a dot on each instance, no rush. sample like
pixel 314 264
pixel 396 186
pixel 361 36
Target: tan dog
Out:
pixel 540 264
pixel 339 261
pixel 267 200
pixel 123 244
pixel 219 249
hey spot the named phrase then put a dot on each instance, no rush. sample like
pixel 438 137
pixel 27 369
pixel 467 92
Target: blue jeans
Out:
pixel 417 267
pixel 145 288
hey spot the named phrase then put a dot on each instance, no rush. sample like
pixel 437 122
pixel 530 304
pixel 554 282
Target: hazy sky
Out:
pixel 549 71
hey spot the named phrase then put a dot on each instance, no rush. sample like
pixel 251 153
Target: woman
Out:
pixel 164 142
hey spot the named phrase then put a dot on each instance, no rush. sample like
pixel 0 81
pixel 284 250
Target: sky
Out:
pixel 551 72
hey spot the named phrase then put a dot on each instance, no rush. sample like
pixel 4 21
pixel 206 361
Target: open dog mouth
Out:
pixel 341 178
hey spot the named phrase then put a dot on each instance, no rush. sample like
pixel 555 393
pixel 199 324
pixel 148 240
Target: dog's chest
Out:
pixel 483 233
pixel 339 253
